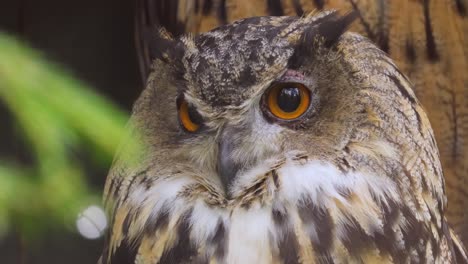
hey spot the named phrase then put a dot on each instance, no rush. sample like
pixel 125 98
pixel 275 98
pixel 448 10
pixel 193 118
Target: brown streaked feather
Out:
pixel 358 182
pixel 459 248
pixel 427 39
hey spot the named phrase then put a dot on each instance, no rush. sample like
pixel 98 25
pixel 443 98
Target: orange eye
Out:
pixel 288 101
pixel 189 117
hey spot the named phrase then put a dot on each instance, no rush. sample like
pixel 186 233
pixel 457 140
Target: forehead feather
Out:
pixel 233 59
pixel 225 66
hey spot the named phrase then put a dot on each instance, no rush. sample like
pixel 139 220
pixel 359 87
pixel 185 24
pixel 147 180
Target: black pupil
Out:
pixel 194 116
pixel 289 99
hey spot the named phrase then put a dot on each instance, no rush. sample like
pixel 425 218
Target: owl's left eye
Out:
pixel 287 101
pixel 189 118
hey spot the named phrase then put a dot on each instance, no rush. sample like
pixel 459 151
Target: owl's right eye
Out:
pixel 189 118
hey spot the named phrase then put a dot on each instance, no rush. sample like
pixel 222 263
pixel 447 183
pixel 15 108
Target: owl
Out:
pixel 427 39
pixel 278 140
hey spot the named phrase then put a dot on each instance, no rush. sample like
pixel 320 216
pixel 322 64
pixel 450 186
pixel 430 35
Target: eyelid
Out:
pixel 292 76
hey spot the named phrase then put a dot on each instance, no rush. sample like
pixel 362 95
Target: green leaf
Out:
pixel 56 114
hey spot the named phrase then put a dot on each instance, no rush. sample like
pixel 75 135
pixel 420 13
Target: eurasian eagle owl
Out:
pixel 278 140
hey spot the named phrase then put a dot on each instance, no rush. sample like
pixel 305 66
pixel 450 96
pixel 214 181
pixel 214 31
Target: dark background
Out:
pixel 93 39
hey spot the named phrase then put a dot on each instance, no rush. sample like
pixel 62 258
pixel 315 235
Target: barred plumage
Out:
pixel 426 38
pixel 355 178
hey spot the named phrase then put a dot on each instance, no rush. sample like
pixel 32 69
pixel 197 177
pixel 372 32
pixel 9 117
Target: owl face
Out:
pixel 277 139
pixel 241 95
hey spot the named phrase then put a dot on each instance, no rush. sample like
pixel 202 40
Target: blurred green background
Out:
pixel 68 78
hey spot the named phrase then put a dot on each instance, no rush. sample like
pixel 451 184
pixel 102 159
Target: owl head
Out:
pixel 277 139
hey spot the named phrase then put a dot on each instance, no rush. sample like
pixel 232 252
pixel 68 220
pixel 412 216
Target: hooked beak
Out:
pixel 227 166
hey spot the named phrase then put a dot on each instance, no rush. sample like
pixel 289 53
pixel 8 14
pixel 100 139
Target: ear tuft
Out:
pixel 159 42
pixel 324 31
pixel 333 26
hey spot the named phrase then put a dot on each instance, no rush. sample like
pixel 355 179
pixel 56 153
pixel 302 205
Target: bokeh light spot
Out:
pixel 92 222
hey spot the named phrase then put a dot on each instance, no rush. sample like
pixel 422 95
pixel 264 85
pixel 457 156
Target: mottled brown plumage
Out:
pixel 355 178
pixel 426 38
